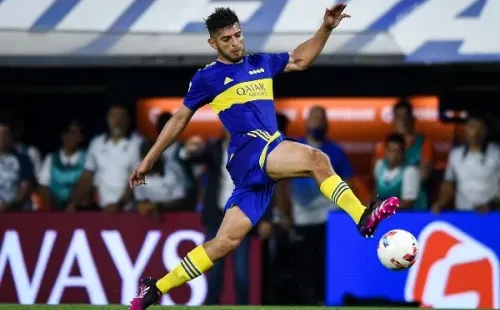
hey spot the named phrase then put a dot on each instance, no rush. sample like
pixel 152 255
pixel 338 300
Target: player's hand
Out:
pixel 334 16
pixel 138 176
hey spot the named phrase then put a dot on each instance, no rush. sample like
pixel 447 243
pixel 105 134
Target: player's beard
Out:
pixel 231 58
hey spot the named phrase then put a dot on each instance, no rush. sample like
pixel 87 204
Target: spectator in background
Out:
pixel 62 169
pixel 30 150
pixel 419 150
pixel 111 157
pixel 472 176
pixel 163 192
pixel 16 174
pixel 310 210
pixel 394 178
pixel 177 168
pixel 219 188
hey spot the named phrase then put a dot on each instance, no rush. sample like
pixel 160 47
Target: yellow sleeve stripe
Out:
pixel 242 93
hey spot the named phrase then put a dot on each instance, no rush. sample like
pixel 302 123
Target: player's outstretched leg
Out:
pixel 234 227
pixel 290 159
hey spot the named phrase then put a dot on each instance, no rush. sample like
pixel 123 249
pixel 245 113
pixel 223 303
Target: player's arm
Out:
pixel 305 54
pixel 169 134
pixel 198 94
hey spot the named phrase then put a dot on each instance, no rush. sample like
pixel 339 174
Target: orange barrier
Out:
pixel 357 123
pixel 352 119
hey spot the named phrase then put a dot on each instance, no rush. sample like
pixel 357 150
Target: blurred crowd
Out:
pixel 191 176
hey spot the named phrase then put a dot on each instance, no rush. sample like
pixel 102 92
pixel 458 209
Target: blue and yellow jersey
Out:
pixel 241 94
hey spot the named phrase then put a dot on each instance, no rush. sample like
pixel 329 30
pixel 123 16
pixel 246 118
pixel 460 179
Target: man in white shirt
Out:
pixel 111 157
pixel 16 174
pixel 472 176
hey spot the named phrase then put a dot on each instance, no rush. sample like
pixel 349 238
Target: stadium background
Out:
pixel 52 70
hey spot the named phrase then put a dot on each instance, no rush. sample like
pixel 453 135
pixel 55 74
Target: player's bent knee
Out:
pixel 319 160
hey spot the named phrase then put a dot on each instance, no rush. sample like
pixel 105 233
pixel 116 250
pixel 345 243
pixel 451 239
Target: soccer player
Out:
pixel 239 88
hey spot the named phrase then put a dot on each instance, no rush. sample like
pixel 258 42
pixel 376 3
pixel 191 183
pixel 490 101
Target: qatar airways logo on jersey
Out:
pixel 252 89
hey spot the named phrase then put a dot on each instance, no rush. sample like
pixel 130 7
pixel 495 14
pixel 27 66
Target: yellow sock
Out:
pixel 193 265
pixel 339 192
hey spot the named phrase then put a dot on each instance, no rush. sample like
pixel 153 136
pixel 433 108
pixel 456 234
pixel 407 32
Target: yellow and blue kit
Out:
pixel 242 96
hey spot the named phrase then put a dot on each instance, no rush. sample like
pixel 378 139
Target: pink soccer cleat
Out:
pixel 374 214
pixel 148 295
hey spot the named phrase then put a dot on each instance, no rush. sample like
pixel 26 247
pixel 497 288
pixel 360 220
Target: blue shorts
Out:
pixel 247 166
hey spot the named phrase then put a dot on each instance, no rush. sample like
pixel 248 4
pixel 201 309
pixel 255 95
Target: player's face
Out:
pixel 5 138
pixel 403 121
pixel 394 153
pixel 475 131
pixel 229 43
pixel 117 121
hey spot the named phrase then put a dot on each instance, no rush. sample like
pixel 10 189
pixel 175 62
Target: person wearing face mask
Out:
pixel 310 209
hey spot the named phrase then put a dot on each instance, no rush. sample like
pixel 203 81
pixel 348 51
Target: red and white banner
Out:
pixel 99 259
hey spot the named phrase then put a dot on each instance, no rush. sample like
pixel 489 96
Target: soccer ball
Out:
pixel 397 249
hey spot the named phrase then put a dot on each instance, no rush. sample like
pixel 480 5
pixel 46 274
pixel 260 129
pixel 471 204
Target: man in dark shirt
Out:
pixel 16 174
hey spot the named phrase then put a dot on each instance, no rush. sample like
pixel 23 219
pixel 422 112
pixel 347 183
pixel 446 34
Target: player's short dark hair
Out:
pixel 221 18
pixel 404 104
pixel 162 120
pixel 396 138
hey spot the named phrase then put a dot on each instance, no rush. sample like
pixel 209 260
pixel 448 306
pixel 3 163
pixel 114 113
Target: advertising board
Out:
pixel 457 265
pixel 98 259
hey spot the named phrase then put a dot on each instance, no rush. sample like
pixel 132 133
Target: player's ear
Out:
pixel 211 42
